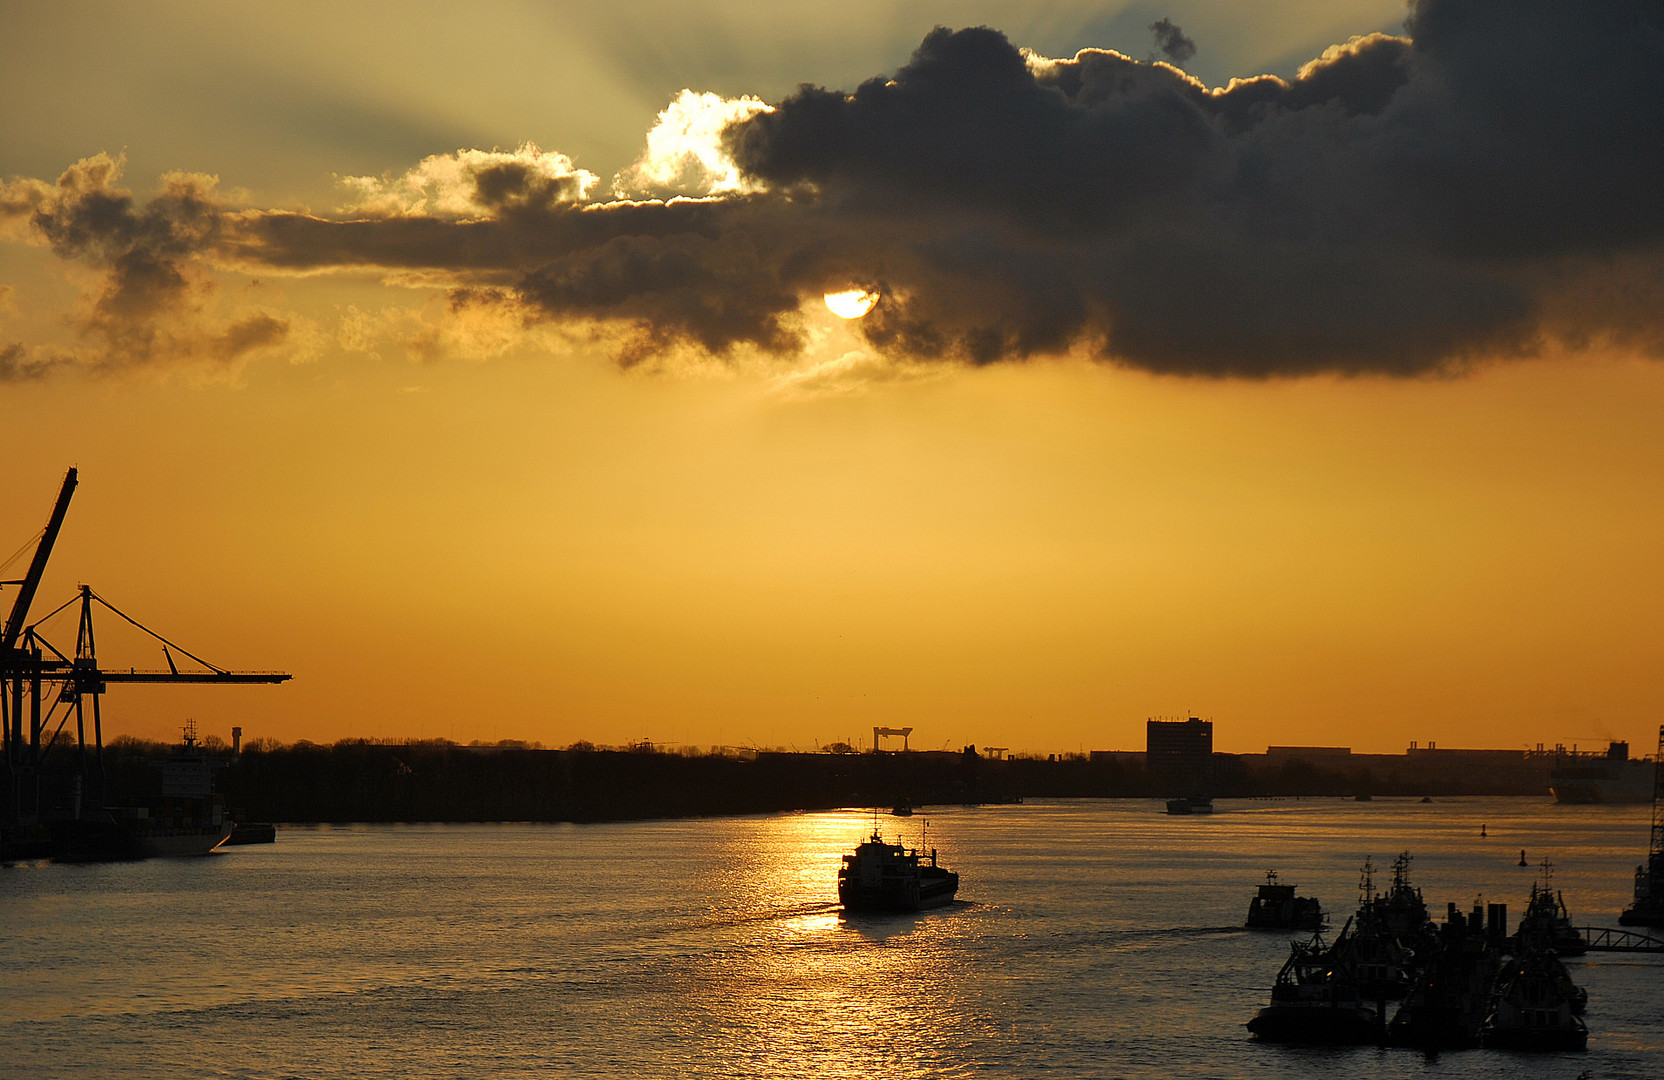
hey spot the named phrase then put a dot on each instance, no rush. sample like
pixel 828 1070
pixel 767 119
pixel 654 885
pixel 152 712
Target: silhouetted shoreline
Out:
pixel 369 781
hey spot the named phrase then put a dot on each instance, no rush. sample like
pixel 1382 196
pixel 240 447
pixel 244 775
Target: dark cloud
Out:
pixel 1172 42
pixel 1402 205
pixel 19 363
pixel 150 309
pixel 1487 185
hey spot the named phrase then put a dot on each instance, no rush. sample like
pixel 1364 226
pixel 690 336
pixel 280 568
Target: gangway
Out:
pixel 1605 939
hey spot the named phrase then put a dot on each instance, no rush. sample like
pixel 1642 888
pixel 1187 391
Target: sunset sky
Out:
pixel 471 363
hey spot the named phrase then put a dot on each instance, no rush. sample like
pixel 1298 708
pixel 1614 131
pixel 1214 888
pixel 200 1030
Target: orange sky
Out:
pixel 504 535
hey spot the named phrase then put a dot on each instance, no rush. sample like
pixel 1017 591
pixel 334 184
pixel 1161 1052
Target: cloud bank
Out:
pixel 1487 185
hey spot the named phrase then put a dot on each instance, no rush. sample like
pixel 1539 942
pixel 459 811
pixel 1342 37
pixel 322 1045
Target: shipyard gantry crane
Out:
pixel 901 732
pixel 37 678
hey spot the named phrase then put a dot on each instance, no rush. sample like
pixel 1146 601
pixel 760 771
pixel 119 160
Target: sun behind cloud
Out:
pixel 851 303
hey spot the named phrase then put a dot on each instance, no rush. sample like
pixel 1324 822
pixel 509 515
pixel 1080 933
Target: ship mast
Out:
pixel 1657 851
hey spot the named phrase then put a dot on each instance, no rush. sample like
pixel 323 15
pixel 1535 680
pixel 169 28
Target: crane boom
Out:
pixel 37 566
pixel 131 676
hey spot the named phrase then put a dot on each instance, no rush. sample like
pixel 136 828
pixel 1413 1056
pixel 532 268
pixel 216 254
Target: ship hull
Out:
pixel 1590 793
pixel 184 842
pixel 1300 913
pixel 1330 1025
pixel 1536 1040
pixel 933 891
pixel 95 840
pixel 1641 917
pixel 1609 782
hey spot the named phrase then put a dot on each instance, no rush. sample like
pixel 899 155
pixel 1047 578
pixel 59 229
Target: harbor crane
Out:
pixel 37 679
pixel 1648 909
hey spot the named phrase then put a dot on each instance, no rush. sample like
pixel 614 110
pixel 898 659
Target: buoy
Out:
pixel 1522 858
pixel 1481 830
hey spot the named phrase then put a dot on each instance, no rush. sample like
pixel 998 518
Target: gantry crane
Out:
pixel 37 678
pixel 902 732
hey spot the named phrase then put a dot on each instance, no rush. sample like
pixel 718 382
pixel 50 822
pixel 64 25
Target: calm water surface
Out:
pixel 1092 939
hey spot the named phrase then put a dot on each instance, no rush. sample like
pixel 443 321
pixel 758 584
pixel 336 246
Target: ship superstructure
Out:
pixel 881 876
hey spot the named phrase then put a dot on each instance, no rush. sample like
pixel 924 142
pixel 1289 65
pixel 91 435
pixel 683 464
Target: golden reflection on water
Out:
pixel 804 978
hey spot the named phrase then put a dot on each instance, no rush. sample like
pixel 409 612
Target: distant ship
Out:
pixel 1611 777
pixel 1194 804
pixel 187 818
pixel 889 877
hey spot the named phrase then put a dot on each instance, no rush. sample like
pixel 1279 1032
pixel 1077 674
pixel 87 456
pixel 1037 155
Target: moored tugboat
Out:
pixel 1533 1009
pixel 1316 1000
pixel 1547 924
pixel 1277 908
pixel 889 877
pixel 1386 934
pixel 1402 910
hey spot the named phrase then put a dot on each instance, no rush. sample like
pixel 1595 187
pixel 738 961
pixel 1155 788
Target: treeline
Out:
pixel 361 781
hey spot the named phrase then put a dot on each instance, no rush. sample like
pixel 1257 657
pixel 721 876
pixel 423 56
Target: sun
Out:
pixel 851 303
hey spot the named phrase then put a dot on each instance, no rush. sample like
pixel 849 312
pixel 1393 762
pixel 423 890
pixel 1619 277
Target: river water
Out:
pixel 1090 939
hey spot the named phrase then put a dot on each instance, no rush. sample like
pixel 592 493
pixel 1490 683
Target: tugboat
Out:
pixel 889 877
pixel 1546 924
pixel 1402 909
pixel 1316 1000
pixel 1533 1009
pixel 1277 908
pixel 1387 932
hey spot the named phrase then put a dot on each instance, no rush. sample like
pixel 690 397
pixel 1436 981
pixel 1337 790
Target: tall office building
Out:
pixel 1179 754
